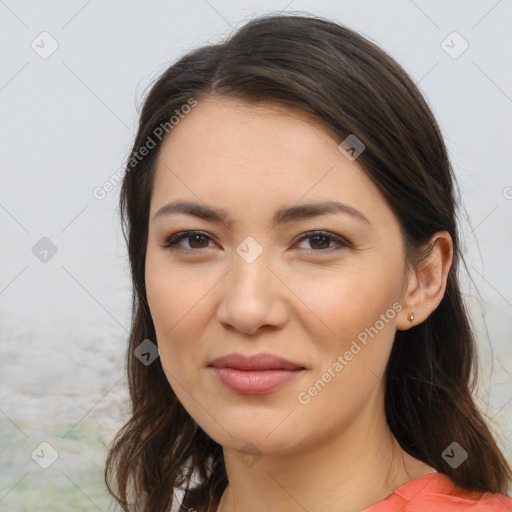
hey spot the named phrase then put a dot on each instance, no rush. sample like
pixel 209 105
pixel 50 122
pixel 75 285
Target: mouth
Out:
pixel 255 382
pixel 262 361
pixel 257 374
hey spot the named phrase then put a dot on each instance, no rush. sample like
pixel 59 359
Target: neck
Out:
pixel 348 472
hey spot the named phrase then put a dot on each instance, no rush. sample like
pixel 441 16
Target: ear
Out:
pixel 426 283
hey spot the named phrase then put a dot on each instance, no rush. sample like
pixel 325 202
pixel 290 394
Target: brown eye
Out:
pixel 196 240
pixel 320 241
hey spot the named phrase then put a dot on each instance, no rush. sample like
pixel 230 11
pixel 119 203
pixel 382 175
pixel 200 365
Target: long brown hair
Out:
pixel 353 87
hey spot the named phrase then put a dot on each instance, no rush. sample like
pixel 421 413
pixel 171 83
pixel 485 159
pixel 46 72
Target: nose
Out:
pixel 253 297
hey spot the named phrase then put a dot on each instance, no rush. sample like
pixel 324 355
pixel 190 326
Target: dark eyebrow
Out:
pixel 282 216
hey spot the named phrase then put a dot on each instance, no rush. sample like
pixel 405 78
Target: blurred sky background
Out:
pixel 72 76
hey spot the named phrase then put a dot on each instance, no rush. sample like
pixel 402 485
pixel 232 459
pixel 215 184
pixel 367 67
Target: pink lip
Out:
pixel 254 382
pixel 256 374
pixel 262 361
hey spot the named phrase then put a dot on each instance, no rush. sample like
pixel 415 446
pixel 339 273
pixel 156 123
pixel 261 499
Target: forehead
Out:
pixel 222 129
pixel 236 124
pixel 249 155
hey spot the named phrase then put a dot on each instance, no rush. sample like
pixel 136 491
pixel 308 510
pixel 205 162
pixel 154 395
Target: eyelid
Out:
pixel 172 241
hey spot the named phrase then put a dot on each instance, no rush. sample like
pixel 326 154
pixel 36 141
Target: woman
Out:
pixel 290 218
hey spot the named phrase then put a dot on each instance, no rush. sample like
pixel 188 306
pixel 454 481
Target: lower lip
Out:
pixel 254 382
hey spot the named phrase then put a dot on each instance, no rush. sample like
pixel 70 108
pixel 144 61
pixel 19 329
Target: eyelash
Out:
pixel 172 241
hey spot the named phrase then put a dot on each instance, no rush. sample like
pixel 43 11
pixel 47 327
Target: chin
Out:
pixel 248 435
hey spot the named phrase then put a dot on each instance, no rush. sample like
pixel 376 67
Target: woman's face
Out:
pixel 319 289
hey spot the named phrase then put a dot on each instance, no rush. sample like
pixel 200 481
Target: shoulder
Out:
pixel 436 492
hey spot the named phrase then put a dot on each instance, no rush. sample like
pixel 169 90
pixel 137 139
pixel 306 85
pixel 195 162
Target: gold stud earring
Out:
pixel 410 317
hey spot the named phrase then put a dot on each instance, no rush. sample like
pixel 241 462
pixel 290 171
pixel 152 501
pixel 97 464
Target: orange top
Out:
pixel 436 492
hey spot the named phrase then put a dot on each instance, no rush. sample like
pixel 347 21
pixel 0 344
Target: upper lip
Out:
pixel 262 361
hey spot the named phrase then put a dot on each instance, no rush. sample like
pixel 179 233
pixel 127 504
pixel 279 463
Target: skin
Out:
pixel 304 300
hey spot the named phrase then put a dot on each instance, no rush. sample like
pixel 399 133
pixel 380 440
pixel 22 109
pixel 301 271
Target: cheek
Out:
pixel 351 320
pixel 343 302
pixel 173 304
pixel 175 294
pixel 351 362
